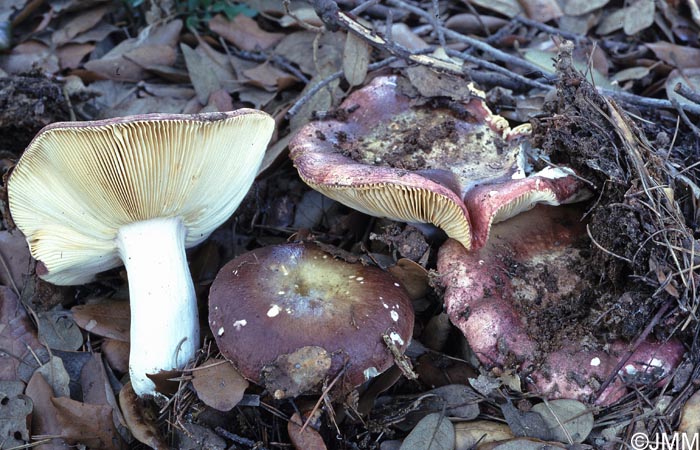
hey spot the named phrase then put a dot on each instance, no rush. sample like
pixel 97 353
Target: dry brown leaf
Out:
pixel 542 10
pixel 117 354
pixel 220 101
pixel 612 21
pixel 218 384
pixel 29 55
pixel 580 7
pixel 44 416
pixel 509 8
pixel 468 434
pixel 109 318
pixel 309 439
pixel 55 374
pixel 305 14
pixel 269 77
pixel 690 416
pixel 71 55
pixel 403 35
pixel 244 32
pixel 14 253
pixel 79 23
pixel 82 423
pixel 467 23
pixel 124 62
pixel 17 334
pixel 412 276
pixel 141 425
pixel 203 78
pixel 640 16
pixel 680 56
pixel 355 59
pixel 297 48
pixel 58 331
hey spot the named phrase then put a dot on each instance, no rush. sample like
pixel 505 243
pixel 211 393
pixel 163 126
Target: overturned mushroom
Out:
pixel 521 301
pixel 454 164
pixel 137 190
pixel 291 316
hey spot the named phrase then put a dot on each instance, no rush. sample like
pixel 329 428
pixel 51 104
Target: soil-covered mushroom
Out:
pixel 527 300
pixel 454 164
pixel 137 190
pixel 290 316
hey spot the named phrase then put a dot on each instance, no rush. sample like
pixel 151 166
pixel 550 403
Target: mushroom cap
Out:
pixel 77 183
pixel 405 158
pixel 283 300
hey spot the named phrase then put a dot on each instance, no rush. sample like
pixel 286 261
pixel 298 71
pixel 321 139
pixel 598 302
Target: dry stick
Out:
pixel 549 29
pixel 239 439
pixel 499 55
pixel 637 342
pixel 686 92
pixel 498 69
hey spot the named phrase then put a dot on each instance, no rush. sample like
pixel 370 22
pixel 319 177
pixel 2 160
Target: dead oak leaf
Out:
pixel 244 32
pixel 87 424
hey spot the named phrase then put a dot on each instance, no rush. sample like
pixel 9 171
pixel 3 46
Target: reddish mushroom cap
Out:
pixel 531 266
pixel 402 157
pixel 283 306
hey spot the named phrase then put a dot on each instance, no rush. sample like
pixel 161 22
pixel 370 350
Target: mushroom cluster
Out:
pixel 456 165
pixel 137 190
pixel 292 316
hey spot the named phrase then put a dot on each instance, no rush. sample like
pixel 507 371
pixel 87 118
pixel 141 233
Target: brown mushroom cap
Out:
pixel 287 301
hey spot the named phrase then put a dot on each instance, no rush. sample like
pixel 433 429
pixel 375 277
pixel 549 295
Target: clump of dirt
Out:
pixel 582 133
pixel 27 104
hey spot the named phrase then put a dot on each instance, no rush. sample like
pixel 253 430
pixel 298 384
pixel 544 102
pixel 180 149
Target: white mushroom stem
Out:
pixel 164 321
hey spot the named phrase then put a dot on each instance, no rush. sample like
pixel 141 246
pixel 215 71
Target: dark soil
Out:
pixel 27 104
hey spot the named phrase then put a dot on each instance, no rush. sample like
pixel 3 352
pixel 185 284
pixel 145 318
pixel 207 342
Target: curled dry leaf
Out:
pixel 218 384
pixel 433 432
pixel 309 439
pixel 138 420
pixel 412 276
pixel 116 354
pixel 108 318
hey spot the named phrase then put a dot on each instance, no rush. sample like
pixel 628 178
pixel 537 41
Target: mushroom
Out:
pixel 452 164
pixel 522 301
pixel 290 316
pixel 137 190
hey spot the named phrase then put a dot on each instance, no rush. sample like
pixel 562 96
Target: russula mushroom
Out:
pixel 290 316
pixel 521 301
pixel 137 190
pixel 457 166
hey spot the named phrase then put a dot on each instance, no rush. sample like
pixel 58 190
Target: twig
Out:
pixel 239 439
pixel 479 45
pixel 549 29
pixel 686 92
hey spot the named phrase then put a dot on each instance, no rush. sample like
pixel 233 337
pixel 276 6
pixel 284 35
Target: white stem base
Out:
pixel 164 319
